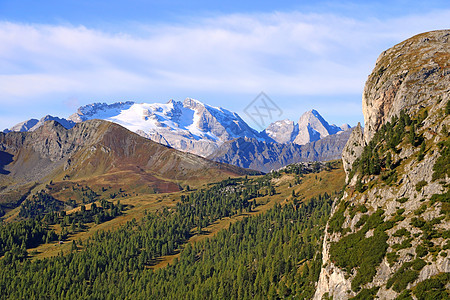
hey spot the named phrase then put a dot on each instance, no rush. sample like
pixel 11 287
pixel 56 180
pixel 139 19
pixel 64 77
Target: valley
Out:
pixel 330 181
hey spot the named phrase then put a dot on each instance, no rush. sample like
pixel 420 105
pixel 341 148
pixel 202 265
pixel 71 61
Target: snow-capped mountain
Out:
pixel 283 131
pixel 311 127
pixel 101 111
pixel 190 125
pixel 198 128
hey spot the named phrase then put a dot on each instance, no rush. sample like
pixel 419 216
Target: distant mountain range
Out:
pixel 266 156
pixel 215 132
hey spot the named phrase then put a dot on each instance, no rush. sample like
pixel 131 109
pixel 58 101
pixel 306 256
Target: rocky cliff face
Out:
pixel 408 76
pixel 388 235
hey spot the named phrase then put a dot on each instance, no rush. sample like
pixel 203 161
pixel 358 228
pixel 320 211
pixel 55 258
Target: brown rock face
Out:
pixel 392 86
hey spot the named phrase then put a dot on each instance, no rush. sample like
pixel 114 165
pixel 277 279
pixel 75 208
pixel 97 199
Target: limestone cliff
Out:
pixel 388 236
pixel 410 75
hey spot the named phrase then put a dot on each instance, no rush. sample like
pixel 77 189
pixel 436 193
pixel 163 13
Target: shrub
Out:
pixel 420 210
pixel 433 288
pixel 398 218
pixel 402 200
pixel 403 245
pixel 402 282
pixel 366 294
pixel 421 251
pixel 418 264
pixel 357 208
pixel 402 232
pixel 392 258
pixel 337 220
pixel 361 221
pixel 419 223
pixel 441 197
pixel 420 185
pixel 389 177
pixel 357 251
pixel 441 168
pixel 399 281
pixel 405 295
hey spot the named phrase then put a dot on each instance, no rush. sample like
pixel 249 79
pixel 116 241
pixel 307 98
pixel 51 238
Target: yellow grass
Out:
pixel 311 186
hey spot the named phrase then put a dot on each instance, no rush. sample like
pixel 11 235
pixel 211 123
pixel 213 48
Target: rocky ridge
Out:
pixel 97 149
pixel 388 235
pixel 267 156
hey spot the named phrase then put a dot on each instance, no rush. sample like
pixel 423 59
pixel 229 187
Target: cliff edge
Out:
pixel 388 236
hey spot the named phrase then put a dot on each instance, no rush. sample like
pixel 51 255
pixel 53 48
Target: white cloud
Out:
pixel 282 53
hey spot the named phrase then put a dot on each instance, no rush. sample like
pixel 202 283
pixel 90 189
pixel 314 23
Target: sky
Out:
pixel 58 55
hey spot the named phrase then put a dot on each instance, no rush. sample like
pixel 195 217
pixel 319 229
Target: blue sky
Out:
pixel 58 55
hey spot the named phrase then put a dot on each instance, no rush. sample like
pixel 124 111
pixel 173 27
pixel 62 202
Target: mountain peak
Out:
pixel 33 124
pixel 311 116
pixel 312 127
pixel 192 103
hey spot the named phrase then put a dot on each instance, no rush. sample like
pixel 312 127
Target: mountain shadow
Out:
pixel 5 159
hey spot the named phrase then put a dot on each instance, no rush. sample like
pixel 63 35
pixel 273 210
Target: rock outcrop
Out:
pixel 388 235
pixel 353 149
